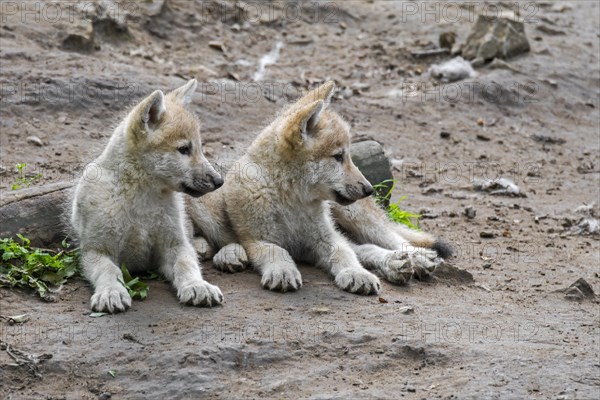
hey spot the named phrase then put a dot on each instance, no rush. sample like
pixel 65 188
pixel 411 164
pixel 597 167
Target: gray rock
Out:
pixel 79 44
pixel 103 21
pixel 470 212
pixel 495 36
pixel 108 25
pixel 447 40
pixel 580 290
pixel 370 159
pixel 111 30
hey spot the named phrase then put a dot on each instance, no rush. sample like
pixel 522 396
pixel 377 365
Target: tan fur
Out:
pixel 288 211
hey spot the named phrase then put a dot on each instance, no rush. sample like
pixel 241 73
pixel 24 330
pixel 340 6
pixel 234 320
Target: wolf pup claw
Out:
pixel 128 207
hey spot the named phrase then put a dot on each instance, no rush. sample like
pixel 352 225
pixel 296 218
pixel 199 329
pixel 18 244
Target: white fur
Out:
pixel 128 213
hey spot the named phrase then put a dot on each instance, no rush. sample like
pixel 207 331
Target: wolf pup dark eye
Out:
pixel 339 157
pixel 185 150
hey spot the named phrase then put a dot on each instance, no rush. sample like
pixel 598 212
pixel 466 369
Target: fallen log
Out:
pixel 35 213
pixel 38 212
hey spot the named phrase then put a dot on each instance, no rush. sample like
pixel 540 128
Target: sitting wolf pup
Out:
pixel 127 208
pixel 279 198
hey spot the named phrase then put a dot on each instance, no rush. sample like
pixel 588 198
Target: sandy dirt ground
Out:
pixel 510 334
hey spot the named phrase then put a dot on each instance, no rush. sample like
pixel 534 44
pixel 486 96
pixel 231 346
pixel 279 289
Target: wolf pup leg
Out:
pixel 182 269
pixel 110 293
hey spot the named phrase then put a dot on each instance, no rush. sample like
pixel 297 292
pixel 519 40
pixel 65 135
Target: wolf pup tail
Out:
pixel 423 239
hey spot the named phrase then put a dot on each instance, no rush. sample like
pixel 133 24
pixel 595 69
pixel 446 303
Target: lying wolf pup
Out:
pixel 127 208
pixel 279 198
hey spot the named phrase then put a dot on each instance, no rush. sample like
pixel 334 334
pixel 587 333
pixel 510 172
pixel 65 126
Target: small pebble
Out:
pixel 470 212
pixel 35 141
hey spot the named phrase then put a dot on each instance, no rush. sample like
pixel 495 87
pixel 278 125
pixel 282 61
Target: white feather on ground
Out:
pixel 453 70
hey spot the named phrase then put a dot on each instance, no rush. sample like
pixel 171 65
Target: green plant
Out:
pixel 23 180
pixel 40 269
pixel 393 210
pixel 135 287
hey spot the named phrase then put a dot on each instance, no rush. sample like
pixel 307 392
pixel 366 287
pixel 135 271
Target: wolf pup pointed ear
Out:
pixel 300 125
pixel 147 115
pixel 312 117
pixel 185 93
pixel 323 92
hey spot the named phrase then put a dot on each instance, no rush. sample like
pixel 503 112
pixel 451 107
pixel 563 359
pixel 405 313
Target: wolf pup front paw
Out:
pixel 358 281
pixel 282 278
pixel 200 293
pixel 111 298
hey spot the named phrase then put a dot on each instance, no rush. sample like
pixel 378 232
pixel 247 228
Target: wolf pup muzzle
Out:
pixel 353 194
pixel 202 186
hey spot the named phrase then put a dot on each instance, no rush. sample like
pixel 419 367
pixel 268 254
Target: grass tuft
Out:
pixel 136 288
pixel 23 180
pixel 42 270
pixel 393 210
